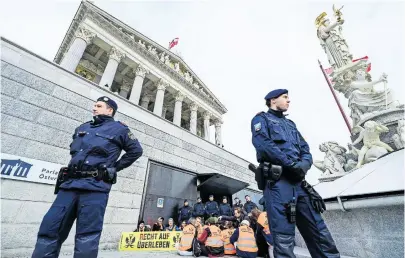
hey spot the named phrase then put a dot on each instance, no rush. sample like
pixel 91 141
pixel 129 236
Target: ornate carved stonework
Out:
pixel 87 11
pixel 179 96
pixel 193 106
pixel 162 84
pixel 116 54
pixel 141 71
pixel 92 67
pixel 85 34
pixel 207 115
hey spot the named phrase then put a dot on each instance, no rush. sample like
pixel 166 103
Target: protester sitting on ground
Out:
pixel 244 241
pixel 199 226
pixel 237 218
pixel 141 227
pixel 158 226
pixel 264 238
pixel 226 233
pixel 185 247
pixel 211 239
pixel 172 226
pixel 182 225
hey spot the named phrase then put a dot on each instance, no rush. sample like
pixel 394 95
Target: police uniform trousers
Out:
pixel 87 208
pixel 310 223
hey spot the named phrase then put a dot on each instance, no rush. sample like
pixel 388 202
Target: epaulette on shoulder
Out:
pixel 122 123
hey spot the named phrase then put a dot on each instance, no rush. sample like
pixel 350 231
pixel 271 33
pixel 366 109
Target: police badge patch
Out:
pixel 131 136
pixel 258 126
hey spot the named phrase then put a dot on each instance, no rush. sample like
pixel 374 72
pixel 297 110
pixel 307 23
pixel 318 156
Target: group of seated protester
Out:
pixel 240 235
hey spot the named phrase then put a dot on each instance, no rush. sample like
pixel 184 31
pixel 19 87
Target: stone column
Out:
pixel 125 88
pixel 140 74
pixel 83 37
pixel 193 117
pixel 160 95
pixel 207 117
pixel 177 108
pixel 164 111
pixel 115 58
pixel 218 133
pixel 145 101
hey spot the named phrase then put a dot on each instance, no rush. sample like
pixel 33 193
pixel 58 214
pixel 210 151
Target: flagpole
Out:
pixel 335 97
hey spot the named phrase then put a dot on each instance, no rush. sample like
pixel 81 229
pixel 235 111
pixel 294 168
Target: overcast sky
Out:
pixel 241 50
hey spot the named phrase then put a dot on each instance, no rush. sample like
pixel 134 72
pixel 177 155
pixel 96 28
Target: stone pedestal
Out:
pixel 76 50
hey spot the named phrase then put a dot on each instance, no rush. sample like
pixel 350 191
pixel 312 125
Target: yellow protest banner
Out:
pixel 149 241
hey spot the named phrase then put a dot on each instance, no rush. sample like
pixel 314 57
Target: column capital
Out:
pixel 162 84
pixel 85 34
pixel 126 85
pixel 193 106
pixel 207 115
pixel 179 96
pixel 141 71
pixel 218 122
pixel 116 54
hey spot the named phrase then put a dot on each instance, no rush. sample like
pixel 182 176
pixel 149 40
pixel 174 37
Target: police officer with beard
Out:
pixel 290 200
pixel 86 182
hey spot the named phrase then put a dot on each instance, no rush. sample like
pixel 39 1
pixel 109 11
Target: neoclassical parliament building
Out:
pixel 162 100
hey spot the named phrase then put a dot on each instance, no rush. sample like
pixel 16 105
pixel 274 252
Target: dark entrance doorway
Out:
pixel 173 186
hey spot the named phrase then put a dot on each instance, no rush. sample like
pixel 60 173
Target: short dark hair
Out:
pixel 246 195
pixel 268 102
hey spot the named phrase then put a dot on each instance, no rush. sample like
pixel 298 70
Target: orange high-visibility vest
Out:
pixel 215 240
pixel 187 238
pixel 263 221
pixel 246 240
pixel 226 237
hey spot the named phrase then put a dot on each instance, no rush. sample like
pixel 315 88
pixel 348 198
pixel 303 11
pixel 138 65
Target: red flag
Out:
pixel 329 70
pixel 368 69
pixel 173 43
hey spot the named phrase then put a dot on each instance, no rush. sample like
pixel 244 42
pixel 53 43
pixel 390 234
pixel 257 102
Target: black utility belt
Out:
pixel 84 174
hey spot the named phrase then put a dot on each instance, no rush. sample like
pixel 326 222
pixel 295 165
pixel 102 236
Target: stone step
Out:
pixel 304 253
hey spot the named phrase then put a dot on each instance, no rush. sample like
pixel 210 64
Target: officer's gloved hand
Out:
pixel 316 200
pixel 296 172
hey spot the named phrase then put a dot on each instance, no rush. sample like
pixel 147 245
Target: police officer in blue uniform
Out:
pixel 211 207
pixel 225 208
pixel 86 182
pixel 185 212
pixel 290 200
pixel 199 209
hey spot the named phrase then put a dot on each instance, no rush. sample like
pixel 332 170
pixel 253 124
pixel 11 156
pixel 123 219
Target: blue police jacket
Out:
pixel 249 206
pixel 98 144
pixel 277 139
pixel 199 210
pixel 185 212
pixel 211 208
pixel 225 209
